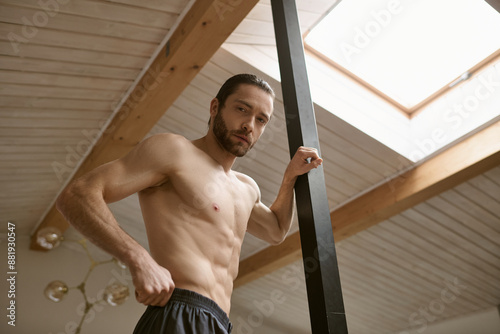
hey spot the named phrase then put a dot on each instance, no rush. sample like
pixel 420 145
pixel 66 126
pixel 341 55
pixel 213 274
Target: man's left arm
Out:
pixel 272 224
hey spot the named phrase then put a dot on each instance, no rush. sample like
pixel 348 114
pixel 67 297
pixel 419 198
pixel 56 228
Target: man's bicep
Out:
pixel 263 223
pixel 142 168
pixel 119 180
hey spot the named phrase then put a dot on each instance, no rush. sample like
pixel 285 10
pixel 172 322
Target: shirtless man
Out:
pixel 196 211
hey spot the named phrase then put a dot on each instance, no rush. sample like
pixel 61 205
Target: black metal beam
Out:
pixel 326 306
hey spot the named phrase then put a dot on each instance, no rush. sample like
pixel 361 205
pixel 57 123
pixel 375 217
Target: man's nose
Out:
pixel 248 125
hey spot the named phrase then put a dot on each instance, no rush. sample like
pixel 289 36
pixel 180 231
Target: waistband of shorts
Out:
pixel 195 299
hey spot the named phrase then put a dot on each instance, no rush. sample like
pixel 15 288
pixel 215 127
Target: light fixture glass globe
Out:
pixel 116 294
pixel 55 291
pixel 49 237
pixel 120 263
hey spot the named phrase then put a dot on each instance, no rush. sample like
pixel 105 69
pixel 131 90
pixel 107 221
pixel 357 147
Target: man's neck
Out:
pixel 213 148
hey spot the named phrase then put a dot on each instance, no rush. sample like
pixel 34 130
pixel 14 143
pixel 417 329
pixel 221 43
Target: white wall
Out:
pixel 36 314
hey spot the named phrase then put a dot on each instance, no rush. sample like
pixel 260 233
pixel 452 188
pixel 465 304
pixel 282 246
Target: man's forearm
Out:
pixel 303 161
pixel 87 211
pixel 283 205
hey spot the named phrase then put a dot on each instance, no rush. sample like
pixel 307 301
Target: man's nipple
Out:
pixel 216 207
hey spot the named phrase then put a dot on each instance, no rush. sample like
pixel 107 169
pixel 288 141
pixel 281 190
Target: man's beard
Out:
pixel 224 137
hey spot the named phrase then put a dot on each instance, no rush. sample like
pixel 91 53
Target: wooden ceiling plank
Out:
pixel 463 161
pixel 74 56
pixel 78 41
pixel 172 6
pixel 433 263
pixel 42 103
pixel 484 198
pixel 25 113
pixel 457 207
pixel 384 273
pixel 480 205
pixel 441 236
pixel 388 289
pixel 35 66
pixel 407 261
pixel 200 34
pixel 29 90
pixel 90 25
pixel 54 80
pixel 109 12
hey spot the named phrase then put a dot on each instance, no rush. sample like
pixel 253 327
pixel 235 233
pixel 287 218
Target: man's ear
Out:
pixel 214 107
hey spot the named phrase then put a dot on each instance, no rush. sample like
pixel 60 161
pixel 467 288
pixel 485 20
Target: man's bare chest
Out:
pixel 213 191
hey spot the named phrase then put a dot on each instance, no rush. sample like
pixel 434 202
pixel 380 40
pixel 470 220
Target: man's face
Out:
pixel 242 120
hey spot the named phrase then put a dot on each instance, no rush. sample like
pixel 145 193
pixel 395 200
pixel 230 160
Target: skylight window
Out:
pixel 405 49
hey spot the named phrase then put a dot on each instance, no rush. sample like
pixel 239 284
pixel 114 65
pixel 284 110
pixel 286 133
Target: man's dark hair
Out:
pixel 231 84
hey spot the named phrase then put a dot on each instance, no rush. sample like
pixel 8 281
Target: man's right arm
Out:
pixel 84 205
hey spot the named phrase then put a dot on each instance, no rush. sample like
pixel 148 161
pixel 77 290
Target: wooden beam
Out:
pixel 200 34
pixel 467 159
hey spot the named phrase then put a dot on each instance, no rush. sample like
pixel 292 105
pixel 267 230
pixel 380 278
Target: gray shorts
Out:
pixel 187 312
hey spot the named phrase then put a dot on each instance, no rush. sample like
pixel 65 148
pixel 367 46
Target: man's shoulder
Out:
pixel 165 142
pixel 166 138
pixel 247 180
pixel 164 150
